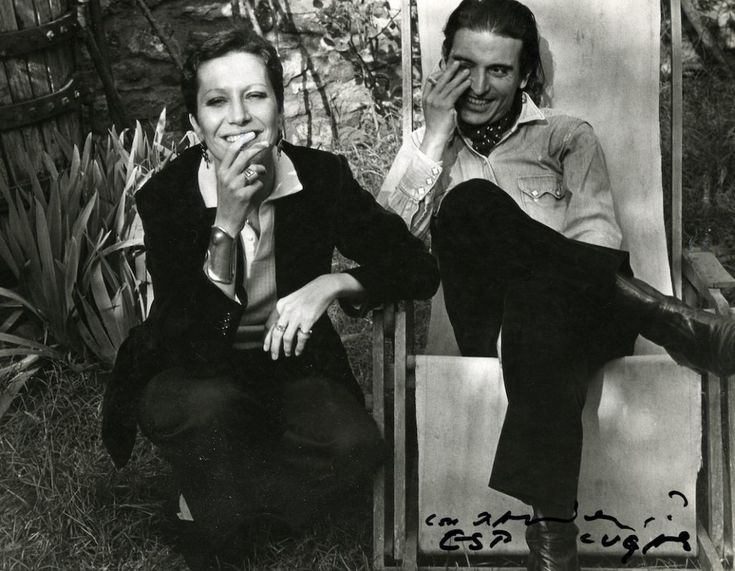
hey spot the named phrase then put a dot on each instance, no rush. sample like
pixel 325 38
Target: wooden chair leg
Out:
pixel 378 406
pixel 399 443
pixel 715 465
pixel 709 559
pixel 730 468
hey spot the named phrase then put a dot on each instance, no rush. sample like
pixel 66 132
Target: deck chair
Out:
pixel 643 418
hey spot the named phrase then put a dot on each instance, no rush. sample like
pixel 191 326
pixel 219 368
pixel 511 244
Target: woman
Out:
pixel 238 375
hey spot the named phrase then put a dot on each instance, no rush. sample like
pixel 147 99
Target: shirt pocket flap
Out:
pixel 539 185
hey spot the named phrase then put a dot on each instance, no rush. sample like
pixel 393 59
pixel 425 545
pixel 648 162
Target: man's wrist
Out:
pixel 433 146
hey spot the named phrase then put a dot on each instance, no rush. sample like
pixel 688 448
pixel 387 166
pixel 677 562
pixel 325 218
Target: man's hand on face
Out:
pixel 440 95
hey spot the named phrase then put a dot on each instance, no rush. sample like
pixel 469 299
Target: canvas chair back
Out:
pixel 602 64
pixel 642 418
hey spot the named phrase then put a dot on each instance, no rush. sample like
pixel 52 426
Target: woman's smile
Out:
pixel 244 138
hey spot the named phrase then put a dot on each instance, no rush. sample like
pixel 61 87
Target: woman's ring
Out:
pixel 280 327
pixel 304 333
pixel 249 175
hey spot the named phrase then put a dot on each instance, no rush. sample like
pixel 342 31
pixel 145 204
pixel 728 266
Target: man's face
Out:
pixel 495 75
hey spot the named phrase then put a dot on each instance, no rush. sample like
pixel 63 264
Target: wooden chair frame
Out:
pixel 698 278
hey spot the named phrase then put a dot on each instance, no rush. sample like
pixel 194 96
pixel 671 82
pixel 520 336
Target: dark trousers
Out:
pixel 555 300
pixel 258 440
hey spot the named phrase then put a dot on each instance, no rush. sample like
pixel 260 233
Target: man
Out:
pixel 522 222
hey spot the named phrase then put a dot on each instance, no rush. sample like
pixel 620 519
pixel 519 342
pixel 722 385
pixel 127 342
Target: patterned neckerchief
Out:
pixel 484 137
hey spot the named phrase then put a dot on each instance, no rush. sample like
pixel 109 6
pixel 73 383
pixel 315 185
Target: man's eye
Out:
pixel 499 71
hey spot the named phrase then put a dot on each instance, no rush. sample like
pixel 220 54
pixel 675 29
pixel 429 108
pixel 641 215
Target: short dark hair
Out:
pixel 220 44
pixel 506 18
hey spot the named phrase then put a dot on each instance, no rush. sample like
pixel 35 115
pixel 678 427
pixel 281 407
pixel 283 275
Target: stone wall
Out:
pixel 322 97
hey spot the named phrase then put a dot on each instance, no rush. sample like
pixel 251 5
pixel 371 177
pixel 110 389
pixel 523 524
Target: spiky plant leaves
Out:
pixel 105 308
pixel 44 269
pixel 50 166
pixel 20 231
pixel 20 300
pixel 75 244
pixel 94 335
pixel 21 373
pixel 139 296
pixel 134 147
pixel 7 256
pixel 75 163
pixel 120 213
pixel 26 346
pixel 158 134
pixel 55 228
pixel 11 319
pixel 87 150
pixel 99 316
pixel 71 267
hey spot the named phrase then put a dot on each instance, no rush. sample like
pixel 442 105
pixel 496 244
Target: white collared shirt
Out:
pixel 258 250
pixel 551 165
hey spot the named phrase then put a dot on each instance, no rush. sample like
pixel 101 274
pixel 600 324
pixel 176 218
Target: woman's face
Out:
pixel 234 97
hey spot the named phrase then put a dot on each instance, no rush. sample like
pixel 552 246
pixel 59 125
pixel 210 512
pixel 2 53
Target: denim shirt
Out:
pixel 551 165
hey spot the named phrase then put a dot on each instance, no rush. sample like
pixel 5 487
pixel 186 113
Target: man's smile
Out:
pixel 473 101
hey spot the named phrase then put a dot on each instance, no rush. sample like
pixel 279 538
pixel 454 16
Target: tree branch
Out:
pixel 709 41
pixel 169 43
pixel 251 16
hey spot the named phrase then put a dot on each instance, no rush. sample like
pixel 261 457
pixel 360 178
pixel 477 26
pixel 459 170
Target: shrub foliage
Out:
pixel 73 245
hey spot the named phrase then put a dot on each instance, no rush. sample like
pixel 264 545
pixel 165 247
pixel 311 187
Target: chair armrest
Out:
pixel 392 341
pixel 707 277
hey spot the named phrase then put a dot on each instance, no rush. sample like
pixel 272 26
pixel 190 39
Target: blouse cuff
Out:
pixel 420 176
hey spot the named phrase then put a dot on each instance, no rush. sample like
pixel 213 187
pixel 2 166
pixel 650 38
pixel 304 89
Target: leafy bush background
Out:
pixel 74 250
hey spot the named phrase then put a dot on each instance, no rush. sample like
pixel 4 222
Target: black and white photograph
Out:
pixel 367 284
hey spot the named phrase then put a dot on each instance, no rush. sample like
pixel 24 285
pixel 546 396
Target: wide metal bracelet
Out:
pixel 219 263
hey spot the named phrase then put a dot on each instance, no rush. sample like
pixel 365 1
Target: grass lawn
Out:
pixel 64 506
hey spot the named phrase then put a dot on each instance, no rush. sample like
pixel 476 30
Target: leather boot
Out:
pixel 552 546
pixel 694 338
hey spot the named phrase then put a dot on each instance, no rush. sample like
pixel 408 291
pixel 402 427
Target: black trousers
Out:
pixel 259 439
pixel 555 300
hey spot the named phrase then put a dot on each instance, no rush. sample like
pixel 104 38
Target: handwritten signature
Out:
pixel 454 538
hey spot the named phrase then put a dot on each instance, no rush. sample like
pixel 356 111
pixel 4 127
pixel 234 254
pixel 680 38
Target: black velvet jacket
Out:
pixel 192 323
